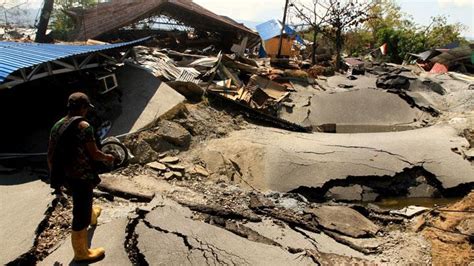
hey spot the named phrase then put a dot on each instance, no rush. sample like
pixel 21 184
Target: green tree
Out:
pixel 63 24
pixel 439 33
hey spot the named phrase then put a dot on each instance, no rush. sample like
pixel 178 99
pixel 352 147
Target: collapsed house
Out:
pixel 449 58
pixel 270 33
pixel 177 23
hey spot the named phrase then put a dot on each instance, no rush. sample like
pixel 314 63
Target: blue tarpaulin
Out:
pixel 272 28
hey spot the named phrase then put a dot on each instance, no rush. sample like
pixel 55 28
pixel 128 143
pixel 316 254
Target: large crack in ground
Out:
pixel 397 185
pixel 131 240
pixel 203 247
pixel 50 231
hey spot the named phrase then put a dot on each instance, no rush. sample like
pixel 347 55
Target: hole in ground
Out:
pixel 413 186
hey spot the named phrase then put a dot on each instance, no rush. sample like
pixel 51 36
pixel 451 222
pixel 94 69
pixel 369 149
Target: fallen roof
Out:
pixel 451 56
pixel 112 15
pixel 16 56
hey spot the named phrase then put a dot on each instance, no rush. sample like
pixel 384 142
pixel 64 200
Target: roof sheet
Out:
pixel 15 56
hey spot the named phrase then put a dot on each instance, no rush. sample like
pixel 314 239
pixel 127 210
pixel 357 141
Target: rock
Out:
pixel 201 171
pixel 157 166
pixel 144 153
pixel 169 160
pixel 174 133
pixel 344 220
pixel 176 167
pixel 422 191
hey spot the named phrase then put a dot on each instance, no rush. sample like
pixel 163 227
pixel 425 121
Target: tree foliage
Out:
pixel 359 27
pixel 62 23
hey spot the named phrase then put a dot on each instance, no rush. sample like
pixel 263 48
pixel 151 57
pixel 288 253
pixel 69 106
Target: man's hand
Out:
pixel 109 159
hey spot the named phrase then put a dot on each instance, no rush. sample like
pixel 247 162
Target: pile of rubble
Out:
pixel 252 83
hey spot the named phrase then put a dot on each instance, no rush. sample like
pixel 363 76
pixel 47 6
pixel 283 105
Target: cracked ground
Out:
pixel 245 194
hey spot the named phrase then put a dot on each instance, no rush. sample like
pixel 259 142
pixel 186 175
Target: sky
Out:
pixel 256 11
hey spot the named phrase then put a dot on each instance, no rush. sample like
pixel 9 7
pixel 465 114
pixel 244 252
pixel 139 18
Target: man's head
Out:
pixel 78 104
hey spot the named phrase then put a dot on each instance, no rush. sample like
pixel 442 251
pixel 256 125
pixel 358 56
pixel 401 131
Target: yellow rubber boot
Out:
pixel 81 248
pixel 96 210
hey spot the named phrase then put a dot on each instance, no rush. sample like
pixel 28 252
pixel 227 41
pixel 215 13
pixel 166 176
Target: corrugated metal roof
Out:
pixel 15 56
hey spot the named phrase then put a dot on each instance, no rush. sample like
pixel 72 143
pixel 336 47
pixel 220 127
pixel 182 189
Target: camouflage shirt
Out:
pixel 76 162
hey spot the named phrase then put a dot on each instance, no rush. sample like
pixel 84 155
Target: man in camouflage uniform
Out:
pixel 71 154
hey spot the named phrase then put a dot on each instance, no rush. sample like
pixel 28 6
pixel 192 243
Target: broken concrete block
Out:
pixel 176 167
pixel 145 100
pixel 169 160
pixel 174 133
pixel 168 175
pixel 203 243
pixel 201 171
pixel 344 220
pixel 177 174
pixel 122 186
pixel 157 166
pixel 409 211
pixel 258 202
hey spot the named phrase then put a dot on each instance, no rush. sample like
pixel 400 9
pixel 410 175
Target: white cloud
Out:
pixel 251 10
pixel 458 3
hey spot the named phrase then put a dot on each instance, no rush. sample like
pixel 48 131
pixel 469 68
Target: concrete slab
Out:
pixel 360 107
pixel 111 236
pixel 124 186
pixel 184 241
pixel 283 161
pixel 145 99
pixel 344 220
pixel 23 203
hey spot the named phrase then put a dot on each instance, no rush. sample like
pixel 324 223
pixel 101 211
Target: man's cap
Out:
pixel 78 99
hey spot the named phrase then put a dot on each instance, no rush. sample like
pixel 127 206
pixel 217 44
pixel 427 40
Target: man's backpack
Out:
pixel 59 151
